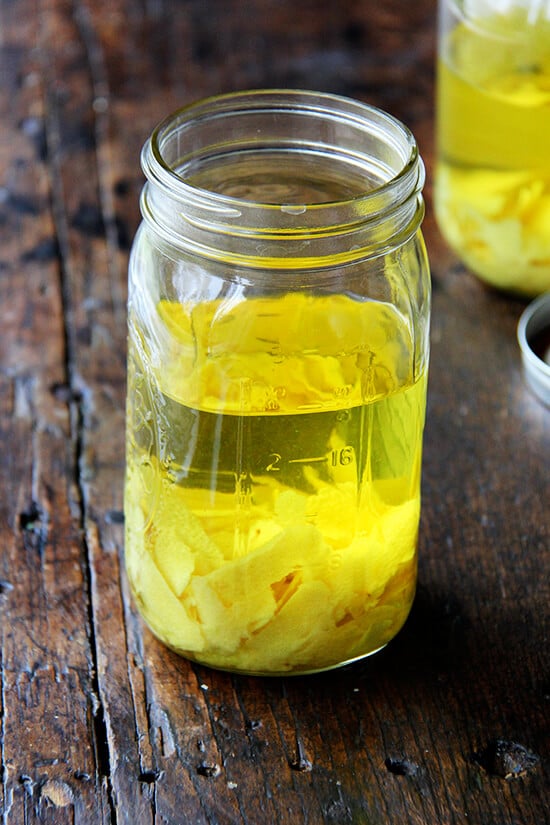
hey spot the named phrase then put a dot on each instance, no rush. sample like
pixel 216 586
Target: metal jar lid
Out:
pixel 534 342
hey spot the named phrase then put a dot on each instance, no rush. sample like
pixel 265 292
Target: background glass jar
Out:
pixel 492 181
pixel 278 346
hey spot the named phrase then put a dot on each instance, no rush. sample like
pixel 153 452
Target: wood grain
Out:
pixel 99 724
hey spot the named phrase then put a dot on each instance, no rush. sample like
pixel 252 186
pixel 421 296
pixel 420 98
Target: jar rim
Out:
pixel 324 104
pixel 374 156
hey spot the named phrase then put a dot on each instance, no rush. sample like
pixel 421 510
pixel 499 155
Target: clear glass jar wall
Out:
pixel 492 180
pixel 278 348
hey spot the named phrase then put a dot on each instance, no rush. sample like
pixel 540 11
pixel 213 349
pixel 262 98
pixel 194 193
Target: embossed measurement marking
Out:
pixel 341 457
pixel 323 458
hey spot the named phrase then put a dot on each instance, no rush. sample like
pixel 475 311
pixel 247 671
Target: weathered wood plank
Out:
pixel 47 733
pixel 94 276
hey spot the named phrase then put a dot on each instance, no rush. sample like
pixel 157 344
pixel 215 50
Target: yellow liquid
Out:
pixel 492 188
pixel 273 486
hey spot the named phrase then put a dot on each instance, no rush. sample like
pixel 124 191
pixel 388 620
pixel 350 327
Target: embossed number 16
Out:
pixel 343 456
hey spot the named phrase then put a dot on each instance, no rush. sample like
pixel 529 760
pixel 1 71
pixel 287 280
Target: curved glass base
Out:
pixel 285 673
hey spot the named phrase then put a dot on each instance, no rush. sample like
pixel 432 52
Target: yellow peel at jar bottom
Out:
pixel 294 602
pixel 285 539
pixel 499 224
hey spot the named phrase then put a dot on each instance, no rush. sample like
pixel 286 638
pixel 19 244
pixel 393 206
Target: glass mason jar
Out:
pixel 492 178
pixel 278 347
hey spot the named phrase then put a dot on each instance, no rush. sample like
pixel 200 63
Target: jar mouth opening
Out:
pixel 501 20
pixel 377 154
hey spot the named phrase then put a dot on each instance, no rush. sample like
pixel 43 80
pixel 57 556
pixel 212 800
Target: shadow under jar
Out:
pixel 278 316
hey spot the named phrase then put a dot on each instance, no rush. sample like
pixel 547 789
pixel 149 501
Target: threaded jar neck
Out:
pixel 283 180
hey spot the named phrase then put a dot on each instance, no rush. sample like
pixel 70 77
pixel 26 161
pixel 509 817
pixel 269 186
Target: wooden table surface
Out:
pixel 99 724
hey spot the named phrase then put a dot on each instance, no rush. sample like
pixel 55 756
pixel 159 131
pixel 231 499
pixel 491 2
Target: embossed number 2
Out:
pixel 272 468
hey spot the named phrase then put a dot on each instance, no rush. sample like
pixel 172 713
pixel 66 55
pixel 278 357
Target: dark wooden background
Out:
pixel 99 724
